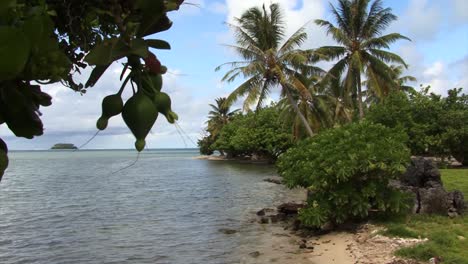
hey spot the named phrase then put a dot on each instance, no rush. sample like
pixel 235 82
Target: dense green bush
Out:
pixel 259 133
pixel 347 169
pixel 436 126
pixel 204 145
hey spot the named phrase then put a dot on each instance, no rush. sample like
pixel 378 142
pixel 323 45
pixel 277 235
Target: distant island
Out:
pixel 64 146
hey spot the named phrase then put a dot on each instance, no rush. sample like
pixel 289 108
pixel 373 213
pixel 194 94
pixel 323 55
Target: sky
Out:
pixel 437 55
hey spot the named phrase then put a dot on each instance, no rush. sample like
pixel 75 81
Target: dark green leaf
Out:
pixel 107 51
pixel 158 44
pixel 97 72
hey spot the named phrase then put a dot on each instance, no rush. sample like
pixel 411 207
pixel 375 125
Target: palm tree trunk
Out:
pixel 361 110
pixel 296 108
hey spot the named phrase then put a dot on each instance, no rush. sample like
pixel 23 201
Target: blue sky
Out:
pixel 437 55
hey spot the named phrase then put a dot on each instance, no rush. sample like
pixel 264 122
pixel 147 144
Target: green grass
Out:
pixel 445 234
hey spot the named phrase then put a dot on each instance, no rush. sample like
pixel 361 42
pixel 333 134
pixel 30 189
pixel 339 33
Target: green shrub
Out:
pixel 261 133
pixel 347 169
pixel 204 145
pixel 436 126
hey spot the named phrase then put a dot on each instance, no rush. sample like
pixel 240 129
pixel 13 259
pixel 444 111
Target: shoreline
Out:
pixel 279 243
pixel 237 159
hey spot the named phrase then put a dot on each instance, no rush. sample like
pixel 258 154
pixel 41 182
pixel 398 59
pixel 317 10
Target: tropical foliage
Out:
pixel 267 60
pixel 219 116
pixel 259 134
pixel 347 171
pixel 361 51
pixel 44 42
pixel 436 126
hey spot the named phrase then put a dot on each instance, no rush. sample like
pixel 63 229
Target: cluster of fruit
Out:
pixel 39 46
pixel 142 109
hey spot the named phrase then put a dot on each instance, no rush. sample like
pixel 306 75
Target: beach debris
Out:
pixel 435 260
pixel 254 254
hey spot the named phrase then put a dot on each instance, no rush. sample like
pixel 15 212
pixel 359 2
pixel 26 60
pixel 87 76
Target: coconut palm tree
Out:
pixel 267 60
pixel 317 110
pixel 219 116
pixel 358 32
pixel 398 83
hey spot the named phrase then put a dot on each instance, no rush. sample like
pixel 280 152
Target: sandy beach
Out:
pixel 278 243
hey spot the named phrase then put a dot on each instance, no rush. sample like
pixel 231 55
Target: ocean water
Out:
pixel 77 207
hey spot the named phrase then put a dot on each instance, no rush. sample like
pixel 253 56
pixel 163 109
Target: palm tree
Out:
pixel 219 116
pixel 267 61
pixel 317 110
pixel 397 71
pixel 360 24
pixel 398 83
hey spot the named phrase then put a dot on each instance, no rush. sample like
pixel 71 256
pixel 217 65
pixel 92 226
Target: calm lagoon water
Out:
pixel 69 207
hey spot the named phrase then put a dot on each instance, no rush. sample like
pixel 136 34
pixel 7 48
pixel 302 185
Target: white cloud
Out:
pixel 293 16
pixel 439 75
pixel 421 20
pixel 217 7
pixel 460 8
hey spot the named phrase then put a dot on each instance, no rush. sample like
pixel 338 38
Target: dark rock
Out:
pixel 433 201
pixel 227 231
pixel 422 180
pixel 273 180
pixel 254 254
pixel 281 216
pixel 420 172
pixel 290 208
pixel 458 201
pixel 264 220
pixel 296 225
pixel 274 218
pixel 261 212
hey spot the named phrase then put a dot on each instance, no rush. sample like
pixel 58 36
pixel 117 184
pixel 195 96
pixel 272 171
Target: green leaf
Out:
pixel 97 72
pixel 107 51
pixel 5 5
pixel 151 13
pixel 139 48
pixel 158 44
pixel 14 52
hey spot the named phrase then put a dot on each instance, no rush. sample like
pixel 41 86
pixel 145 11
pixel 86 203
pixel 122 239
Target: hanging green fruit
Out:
pixel 140 114
pixel 162 101
pixel 112 105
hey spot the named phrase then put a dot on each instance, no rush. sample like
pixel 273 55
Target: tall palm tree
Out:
pixel 219 116
pixel 359 28
pixel 267 61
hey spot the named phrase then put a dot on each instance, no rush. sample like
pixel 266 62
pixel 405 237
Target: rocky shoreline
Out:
pixel 285 242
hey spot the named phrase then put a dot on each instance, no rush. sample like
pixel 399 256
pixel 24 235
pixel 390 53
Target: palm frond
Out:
pixel 387 56
pixel 383 41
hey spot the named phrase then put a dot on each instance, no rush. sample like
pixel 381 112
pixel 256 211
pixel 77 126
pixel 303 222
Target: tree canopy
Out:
pixel 47 41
